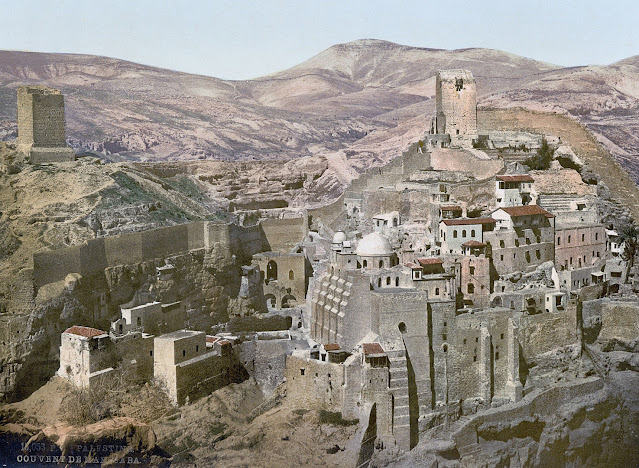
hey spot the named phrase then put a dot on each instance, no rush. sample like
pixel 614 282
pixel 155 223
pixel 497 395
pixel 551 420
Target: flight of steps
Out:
pixel 561 203
pixel 399 388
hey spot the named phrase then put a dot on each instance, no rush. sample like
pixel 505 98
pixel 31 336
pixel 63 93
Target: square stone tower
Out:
pixel 456 106
pixel 41 133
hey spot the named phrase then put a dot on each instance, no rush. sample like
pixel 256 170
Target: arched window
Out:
pixel 471 288
pixel 388 281
pixel 397 282
pixel 569 239
pixel 364 263
pixel 596 236
pixel 291 275
pixel 379 282
pixel 454 233
pixel 464 233
pixel 271 270
pixel 436 291
pixel 381 263
pixel 472 233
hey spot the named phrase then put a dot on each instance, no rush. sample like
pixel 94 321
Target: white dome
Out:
pixel 374 244
pixel 339 237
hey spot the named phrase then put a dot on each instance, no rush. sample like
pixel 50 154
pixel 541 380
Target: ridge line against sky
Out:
pixel 246 39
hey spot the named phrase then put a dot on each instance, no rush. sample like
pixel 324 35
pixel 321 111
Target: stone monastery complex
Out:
pixel 414 300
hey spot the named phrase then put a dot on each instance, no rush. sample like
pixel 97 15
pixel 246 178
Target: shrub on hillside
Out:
pixel 542 159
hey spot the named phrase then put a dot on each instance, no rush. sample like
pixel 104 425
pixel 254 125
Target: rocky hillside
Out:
pixel 135 112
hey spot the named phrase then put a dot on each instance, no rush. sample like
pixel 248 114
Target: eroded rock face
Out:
pixel 204 280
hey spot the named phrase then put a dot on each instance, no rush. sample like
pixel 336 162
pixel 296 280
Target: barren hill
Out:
pixel 357 104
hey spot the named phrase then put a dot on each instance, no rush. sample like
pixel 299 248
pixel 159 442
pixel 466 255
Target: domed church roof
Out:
pixel 374 244
pixel 339 237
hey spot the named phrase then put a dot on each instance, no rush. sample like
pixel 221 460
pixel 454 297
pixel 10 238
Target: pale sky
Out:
pixel 241 39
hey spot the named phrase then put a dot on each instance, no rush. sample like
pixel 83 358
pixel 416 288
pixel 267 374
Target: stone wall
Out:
pixel 619 321
pixel 544 332
pixel 97 254
pixel 314 384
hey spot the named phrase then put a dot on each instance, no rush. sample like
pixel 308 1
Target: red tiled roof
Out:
pixel 87 332
pixel 516 178
pixel 527 210
pixel 473 243
pixel 430 261
pixel 451 208
pixel 372 348
pixel 331 347
pixel 223 342
pixel 466 221
pixel 211 339
pixel 412 265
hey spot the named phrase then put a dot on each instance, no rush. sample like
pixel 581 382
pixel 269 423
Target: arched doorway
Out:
pixel 288 301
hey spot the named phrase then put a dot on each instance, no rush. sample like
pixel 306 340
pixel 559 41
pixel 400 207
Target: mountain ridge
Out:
pixel 327 105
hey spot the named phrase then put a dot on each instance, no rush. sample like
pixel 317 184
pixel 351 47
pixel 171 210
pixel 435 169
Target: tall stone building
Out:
pixel 41 133
pixel 456 106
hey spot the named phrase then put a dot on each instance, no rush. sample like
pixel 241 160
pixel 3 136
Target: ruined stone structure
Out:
pixel 41 132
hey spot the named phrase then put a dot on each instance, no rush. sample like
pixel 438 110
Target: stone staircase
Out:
pixel 399 389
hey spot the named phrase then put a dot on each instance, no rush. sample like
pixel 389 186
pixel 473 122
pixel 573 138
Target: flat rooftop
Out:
pixel 179 335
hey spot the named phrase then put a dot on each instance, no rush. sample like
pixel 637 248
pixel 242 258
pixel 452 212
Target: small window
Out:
pixel 388 281
pixel 516 242
pixel 464 340
pixel 596 236
pixel 471 288
pixel 197 348
pixel 291 274
pixel 436 291
pixel 444 337
pixel 302 371
pixel 474 358
pixel 364 263
pixel 501 257
pixel 558 240
pixel 445 323
pixel 183 352
pixel 455 234
pixel 583 237
pixel 464 233
pixel 472 270
pixel 496 355
pixel 569 239
pixel 151 353
pixel 502 336
pixel 502 244
pixel 472 233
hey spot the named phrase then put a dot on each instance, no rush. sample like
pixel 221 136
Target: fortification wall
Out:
pixel 313 384
pixel 544 332
pixel 201 376
pixel 619 321
pixel 97 254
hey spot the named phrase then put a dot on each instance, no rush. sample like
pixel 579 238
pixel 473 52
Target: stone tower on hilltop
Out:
pixel 41 134
pixel 456 106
